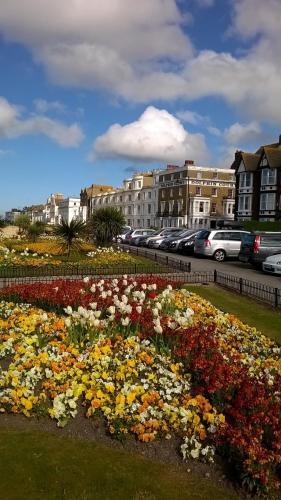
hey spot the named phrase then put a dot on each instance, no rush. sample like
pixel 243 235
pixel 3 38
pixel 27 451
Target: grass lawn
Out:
pixel 40 465
pixel 264 318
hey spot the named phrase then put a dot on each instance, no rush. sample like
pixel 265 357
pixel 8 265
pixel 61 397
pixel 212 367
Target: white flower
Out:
pixel 125 321
pixel 139 309
pixel 86 279
pixel 158 329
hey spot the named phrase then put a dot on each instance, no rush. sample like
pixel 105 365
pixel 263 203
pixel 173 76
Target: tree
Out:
pixel 2 222
pixel 70 234
pixel 35 230
pixel 107 223
pixel 23 222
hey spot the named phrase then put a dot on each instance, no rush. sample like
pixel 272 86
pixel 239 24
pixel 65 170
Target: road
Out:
pixel 233 267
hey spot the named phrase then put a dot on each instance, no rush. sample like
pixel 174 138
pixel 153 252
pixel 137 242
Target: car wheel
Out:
pixel 219 255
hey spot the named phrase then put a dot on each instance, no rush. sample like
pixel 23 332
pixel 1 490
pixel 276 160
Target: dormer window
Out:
pixel 268 176
pixel 264 162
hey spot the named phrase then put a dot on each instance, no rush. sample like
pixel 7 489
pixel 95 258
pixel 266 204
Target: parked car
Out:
pixel 142 233
pixel 219 244
pixel 186 245
pixel 172 242
pixel 134 233
pixel 259 245
pixel 140 241
pixel 272 264
pixel 155 241
pixel 120 238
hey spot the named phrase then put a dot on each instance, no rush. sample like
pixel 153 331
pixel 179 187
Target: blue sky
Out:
pixel 91 92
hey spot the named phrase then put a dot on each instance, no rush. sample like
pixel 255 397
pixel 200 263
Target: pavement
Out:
pixel 233 267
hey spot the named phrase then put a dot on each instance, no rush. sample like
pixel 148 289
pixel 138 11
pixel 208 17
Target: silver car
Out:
pixel 219 244
pixel 272 264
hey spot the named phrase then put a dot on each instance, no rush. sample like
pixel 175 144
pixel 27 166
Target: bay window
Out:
pixel 267 201
pixel 268 176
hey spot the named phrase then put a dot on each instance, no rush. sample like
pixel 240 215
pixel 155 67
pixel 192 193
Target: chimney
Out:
pixel 188 162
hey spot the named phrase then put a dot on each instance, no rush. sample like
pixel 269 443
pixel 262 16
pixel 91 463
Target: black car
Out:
pixel 171 243
pixel 186 245
pixel 259 245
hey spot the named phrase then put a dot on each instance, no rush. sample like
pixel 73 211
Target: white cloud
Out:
pixel 5 152
pixel 192 117
pixel 12 125
pixel 239 133
pixel 43 106
pixel 155 136
pixel 142 53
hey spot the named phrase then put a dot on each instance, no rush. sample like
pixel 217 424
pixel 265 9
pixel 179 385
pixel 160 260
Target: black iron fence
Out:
pixel 163 259
pixel 266 294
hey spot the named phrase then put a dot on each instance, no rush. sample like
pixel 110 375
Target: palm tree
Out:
pixel 70 234
pixel 35 230
pixel 107 223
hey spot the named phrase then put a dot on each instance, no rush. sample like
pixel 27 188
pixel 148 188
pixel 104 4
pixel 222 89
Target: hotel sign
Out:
pixel 197 182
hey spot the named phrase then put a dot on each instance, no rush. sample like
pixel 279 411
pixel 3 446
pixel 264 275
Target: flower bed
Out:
pixel 49 254
pixel 153 361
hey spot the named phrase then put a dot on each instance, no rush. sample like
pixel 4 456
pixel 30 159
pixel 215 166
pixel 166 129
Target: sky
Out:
pixel 91 91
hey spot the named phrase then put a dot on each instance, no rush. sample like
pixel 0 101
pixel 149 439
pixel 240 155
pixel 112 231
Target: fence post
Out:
pixel 276 297
pixel 155 256
pixel 167 260
pixel 215 275
pixel 189 267
pixel 241 285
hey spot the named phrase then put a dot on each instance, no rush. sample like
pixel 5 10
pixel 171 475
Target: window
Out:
pixel 201 206
pixel 162 206
pixel 198 190
pixel 220 236
pixel 139 184
pixel 74 203
pixel 148 222
pixel 215 175
pixel 199 175
pixel 267 201
pixel 121 199
pixel 230 193
pixel 213 208
pixel 130 197
pixel 235 236
pixel 268 176
pixel 171 192
pixel 149 195
pixel 162 193
pixel 244 203
pixel 139 209
pixel 139 196
pixel 245 180
pixel 129 210
pixel 130 185
pixel 214 192
pixel 180 191
pixel 149 208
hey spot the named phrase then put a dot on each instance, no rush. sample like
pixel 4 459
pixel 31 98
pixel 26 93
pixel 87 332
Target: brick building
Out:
pixel 192 196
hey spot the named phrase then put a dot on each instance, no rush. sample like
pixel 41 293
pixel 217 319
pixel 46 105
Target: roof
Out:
pixel 250 160
pixel 98 188
pixel 273 156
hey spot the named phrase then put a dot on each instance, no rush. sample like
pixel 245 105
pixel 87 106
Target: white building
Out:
pixel 136 200
pixel 70 209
